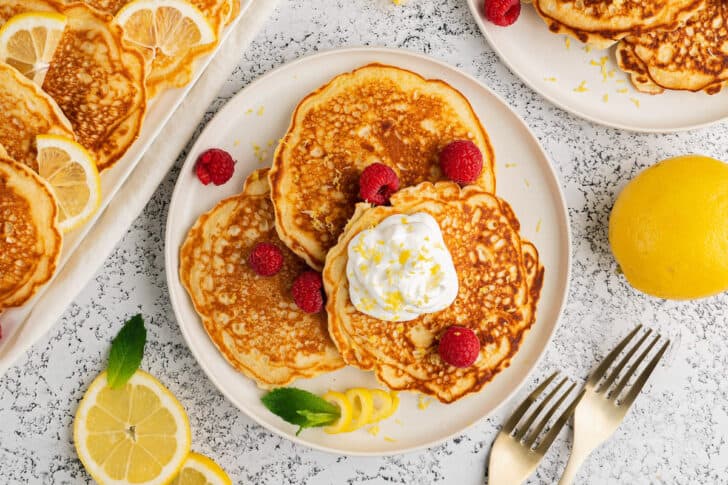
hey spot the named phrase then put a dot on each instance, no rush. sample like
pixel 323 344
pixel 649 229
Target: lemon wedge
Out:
pixel 136 434
pixel 72 174
pixel 28 41
pixel 200 470
pixel 167 32
pixel 345 407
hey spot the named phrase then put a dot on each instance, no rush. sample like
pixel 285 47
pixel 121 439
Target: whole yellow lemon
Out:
pixel 669 228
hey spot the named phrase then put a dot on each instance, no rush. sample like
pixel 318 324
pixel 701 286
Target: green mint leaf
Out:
pixel 318 419
pixel 127 349
pixel 300 407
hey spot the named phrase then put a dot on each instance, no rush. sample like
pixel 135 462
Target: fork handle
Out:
pixel 578 456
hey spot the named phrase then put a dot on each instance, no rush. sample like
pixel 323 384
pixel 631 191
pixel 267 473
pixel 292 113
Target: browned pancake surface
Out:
pixel 499 277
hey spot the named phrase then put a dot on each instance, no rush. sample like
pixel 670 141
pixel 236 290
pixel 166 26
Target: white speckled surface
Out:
pixel 676 433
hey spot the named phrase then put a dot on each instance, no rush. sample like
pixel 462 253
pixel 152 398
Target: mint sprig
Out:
pixel 126 353
pixel 301 408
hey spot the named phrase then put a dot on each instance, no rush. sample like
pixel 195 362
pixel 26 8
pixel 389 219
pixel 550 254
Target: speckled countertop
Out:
pixel 676 433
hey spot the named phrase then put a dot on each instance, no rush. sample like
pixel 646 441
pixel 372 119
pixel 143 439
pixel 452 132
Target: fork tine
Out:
pixel 625 360
pixel 533 435
pixel 633 368
pixel 521 410
pixel 556 428
pixel 599 372
pixel 642 379
pixel 532 417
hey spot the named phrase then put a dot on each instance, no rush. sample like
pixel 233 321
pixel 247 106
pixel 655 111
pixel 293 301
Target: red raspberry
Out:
pixel 502 12
pixel 214 165
pixel 461 161
pixel 266 259
pixel 307 292
pixel 459 346
pixel 377 183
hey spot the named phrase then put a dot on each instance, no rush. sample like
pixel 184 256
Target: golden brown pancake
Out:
pixel 99 85
pixel 169 72
pixel 693 57
pixel 252 319
pixel 26 111
pixel 376 113
pixel 30 240
pixel 500 281
pixel 601 23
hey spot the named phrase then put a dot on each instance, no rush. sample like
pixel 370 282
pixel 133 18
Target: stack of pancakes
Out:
pixel 662 44
pixel 96 91
pixel 310 209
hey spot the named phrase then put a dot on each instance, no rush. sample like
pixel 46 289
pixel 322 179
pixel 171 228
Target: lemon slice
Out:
pixel 28 41
pixel 200 470
pixel 137 434
pixel 72 174
pixel 362 406
pixel 383 405
pixel 167 32
pixel 344 421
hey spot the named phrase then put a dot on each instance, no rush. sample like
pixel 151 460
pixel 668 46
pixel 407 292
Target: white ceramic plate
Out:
pixel 260 114
pixel 555 69
pixel 18 335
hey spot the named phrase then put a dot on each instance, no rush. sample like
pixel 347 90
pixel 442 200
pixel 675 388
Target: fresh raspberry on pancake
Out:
pixel 307 291
pixel 266 259
pixel 461 161
pixel 214 165
pixel 459 346
pixel 377 183
pixel 502 12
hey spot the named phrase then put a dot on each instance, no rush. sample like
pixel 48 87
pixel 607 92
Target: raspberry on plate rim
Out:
pixel 502 12
pixel 214 165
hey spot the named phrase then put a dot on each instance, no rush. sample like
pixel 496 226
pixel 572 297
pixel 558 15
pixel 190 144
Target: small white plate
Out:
pixel 248 127
pixel 556 68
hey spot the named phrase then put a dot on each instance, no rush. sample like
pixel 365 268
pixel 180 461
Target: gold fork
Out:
pixel 601 410
pixel 517 452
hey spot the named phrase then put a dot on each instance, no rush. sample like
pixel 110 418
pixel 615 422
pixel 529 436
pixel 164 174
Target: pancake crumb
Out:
pixel 550 79
pixel 567 42
pixel 373 430
pixel 423 402
pixel 249 111
pixel 511 165
pixel 538 226
pixel 390 439
pixel 605 98
pixel 623 91
pixel 635 101
pixel 261 111
pixel 525 181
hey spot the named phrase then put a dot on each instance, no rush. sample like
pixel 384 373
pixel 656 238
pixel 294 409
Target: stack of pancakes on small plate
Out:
pixel 374 114
pixel 662 44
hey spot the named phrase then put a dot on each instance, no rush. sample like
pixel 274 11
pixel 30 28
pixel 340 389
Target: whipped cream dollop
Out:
pixel 401 269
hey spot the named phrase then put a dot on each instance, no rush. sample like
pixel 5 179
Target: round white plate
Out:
pixel 555 67
pixel 248 127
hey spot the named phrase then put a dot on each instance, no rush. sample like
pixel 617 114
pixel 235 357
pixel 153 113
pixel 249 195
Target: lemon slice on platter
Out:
pixel 171 34
pixel 71 172
pixel 136 434
pixel 28 41
pixel 200 470
pixel 343 424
